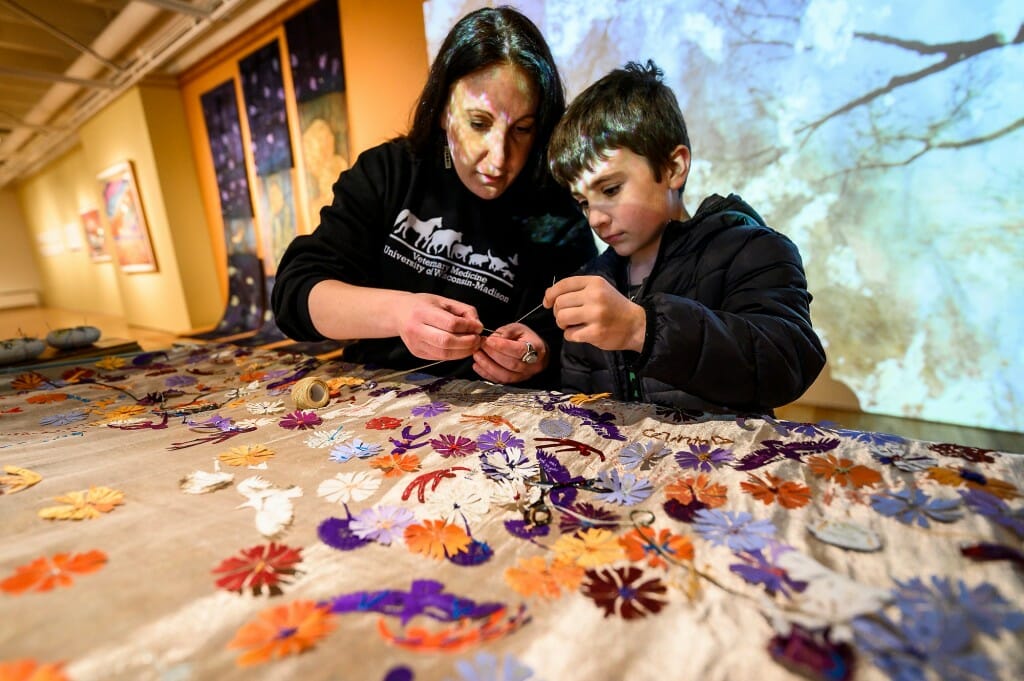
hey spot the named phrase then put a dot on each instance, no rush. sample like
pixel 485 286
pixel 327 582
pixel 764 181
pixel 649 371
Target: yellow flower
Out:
pixel 246 455
pixel 84 504
pixel 592 548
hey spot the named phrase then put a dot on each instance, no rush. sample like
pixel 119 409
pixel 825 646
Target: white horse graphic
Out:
pixel 423 228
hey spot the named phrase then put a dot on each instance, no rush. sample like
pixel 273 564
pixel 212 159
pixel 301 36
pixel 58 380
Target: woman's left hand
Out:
pixel 504 356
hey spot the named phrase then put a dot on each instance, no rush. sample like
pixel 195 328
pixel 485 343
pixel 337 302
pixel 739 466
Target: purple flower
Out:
pixel 586 516
pixel 911 504
pixel 453 445
pixel 383 524
pixel 737 530
pixel 757 569
pixel 702 457
pixel 991 506
pixel 498 441
pixel 433 409
pixel 179 381
pixel 63 419
pixel 300 420
pixel 336 533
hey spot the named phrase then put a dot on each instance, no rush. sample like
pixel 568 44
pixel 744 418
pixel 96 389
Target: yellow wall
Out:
pixel 385 57
pixel 19 276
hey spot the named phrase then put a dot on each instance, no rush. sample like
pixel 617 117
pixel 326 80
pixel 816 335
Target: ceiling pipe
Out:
pixel 28 152
pixel 47 26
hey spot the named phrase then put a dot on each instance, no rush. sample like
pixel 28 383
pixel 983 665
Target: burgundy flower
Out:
pixel 300 420
pixel 257 567
pixel 620 591
pixel 453 445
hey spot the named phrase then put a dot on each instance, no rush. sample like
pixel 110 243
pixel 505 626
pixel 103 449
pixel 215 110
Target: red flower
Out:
pixel 383 423
pixel 257 567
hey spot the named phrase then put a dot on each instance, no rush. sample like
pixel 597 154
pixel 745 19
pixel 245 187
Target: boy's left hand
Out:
pixel 591 310
pixel 501 356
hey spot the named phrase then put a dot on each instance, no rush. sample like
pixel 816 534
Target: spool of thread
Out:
pixel 311 393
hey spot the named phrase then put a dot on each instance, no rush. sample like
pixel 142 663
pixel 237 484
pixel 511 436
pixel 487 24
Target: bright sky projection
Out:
pixel 885 139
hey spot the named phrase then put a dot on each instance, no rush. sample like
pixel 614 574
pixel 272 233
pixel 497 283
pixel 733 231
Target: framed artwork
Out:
pixel 123 209
pixel 95 236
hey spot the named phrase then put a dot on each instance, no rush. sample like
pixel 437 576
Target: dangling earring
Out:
pixel 447 157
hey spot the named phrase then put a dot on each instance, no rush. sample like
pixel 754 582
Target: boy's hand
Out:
pixel 501 357
pixel 591 310
pixel 434 327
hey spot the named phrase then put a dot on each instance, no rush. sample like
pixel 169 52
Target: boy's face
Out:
pixel 626 207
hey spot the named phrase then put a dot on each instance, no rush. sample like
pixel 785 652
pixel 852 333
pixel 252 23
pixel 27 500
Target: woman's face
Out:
pixel 490 120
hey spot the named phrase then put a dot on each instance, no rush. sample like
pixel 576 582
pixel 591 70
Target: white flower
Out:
pixel 458 501
pixel 245 424
pixel 320 439
pixel 346 487
pixel 265 407
pixel 514 494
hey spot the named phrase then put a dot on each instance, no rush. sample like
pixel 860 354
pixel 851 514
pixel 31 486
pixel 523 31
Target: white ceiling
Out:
pixel 62 61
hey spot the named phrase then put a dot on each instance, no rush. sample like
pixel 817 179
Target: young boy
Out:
pixel 708 312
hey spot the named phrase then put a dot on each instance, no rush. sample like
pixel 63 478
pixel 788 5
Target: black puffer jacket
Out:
pixel 728 319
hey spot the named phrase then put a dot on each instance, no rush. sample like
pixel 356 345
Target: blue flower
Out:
pixel 498 441
pixel 737 530
pixel 63 419
pixel 991 506
pixel 626 490
pixel 346 450
pixel 487 667
pixel 911 504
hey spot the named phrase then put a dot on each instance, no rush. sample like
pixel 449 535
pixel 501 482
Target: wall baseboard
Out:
pixel 9 299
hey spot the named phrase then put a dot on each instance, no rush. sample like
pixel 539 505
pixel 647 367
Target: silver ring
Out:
pixel 530 356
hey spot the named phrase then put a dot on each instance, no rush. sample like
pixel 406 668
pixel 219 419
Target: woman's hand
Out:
pixel 438 328
pixel 591 310
pixel 501 357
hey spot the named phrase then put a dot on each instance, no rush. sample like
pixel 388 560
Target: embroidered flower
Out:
pixel 464 500
pixel 345 451
pixel 912 505
pixel 300 420
pixel 64 419
pixel 843 471
pixel 737 530
pixel 584 516
pixel 346 487
pixel 699 490
pixel 756 568
pixel 972 454
pixel 788 493
pixel 534 576
pixel 282 631
pixel 453 445
pixel 702 457
pixel 619 591
pixel 259 567
pixel 383 524
pixel 498 441
pixel 996 509
pixel 589 548
pixel 246 455
pixel 394 465
pixel 436 539
pixel 320 439
pixel 264 408
pixel 626 489
pixel 383 423
pixel 487 667
pixel 84 504
pixel 644 543
pixel 508 464
pixel 644 456
pixel 43 574
pixel 427 411
pixel 27 669
pixel 954 477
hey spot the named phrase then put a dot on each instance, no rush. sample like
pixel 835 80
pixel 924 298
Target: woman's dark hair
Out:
pixel 488 37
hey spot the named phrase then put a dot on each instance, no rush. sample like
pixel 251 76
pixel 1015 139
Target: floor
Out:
pixel 37 322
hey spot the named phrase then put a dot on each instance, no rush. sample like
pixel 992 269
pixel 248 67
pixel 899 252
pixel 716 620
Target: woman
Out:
pixel 439 245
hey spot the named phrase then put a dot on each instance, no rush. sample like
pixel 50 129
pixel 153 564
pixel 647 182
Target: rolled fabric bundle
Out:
pixel 311 393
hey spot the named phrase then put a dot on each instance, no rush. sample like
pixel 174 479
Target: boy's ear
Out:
pixel 678 166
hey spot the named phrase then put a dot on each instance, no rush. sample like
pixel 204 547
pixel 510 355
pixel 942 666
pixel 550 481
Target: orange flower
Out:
pixel 281 631
pixel 789 493
pixel 687 490
pixel 952 477
pixel 591 548
pixel 43 574
pixel 533 576
pixel 394 465
pixel 30 670
pixel 843 471
pixel 250 376
pixel 124 412
pixel 17 479
pixel 456 637
pixel 47 398
pixel 436 539
pixel 84 504
pixel 28 381
pixel 246 455
pixel 643 543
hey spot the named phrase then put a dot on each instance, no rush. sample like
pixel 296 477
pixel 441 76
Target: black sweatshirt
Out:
pixel 404 223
